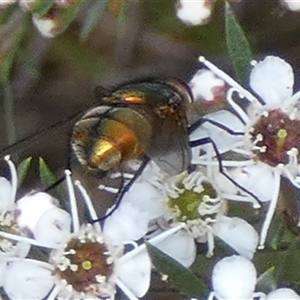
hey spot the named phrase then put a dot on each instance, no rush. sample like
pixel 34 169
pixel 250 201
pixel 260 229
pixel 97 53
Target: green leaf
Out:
pixel 12 56
pixel 7 12
pixel 183 279
pixel 123 13
pixel 43 7
pixel 266 282
pixel 22 169
pixel 237 45
pixel 92 17
pixel 288 269
pixel 46 175
pixel 68 14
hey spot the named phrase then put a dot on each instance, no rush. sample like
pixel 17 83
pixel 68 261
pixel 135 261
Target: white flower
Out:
pixel 264 136
pixel 8 214
pixel 283 293
pixel 196 12
pixel 192 201
pixel 206 86
pixel 293 5
pixel 6 3
pixel 234 277
pixel 87 263
pixel 49 26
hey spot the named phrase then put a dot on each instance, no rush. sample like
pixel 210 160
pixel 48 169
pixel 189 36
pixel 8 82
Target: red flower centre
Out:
pixel 276 138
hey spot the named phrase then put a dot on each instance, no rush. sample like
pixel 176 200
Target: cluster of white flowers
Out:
pixel 258 142
pixel 80 261
pixel 198 12
pixel 261 135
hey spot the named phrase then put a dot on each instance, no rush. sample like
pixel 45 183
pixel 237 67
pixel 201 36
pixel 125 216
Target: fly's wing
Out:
pixel 26 142
pixel 169 146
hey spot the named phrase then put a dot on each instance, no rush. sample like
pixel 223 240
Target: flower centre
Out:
pixel 195 198
pixel 86 265
pixel 8 225
pixel 276 138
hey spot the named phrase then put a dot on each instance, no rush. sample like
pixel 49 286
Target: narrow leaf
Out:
pixel 93 16
pixel 8 63
pixel 43 7
pixel 266 282
pixel 23 168
pixel 288 269
pixel 183 279
pixel 46 175
pixel 237 45
pixel 68 14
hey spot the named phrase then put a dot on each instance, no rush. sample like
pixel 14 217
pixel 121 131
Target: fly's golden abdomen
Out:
pixel 105 137
pixel 118 143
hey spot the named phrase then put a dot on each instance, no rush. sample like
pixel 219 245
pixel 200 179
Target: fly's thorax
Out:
pixel 106 136
pixel 181 89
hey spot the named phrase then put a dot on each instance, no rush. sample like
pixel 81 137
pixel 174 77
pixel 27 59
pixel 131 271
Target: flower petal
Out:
pixel 26 280
pixel 27 216
pixel 238 234
pixel 5 195
pixel 127 223
pixel 293 5
pixel 273 80
pixel 255 178
pixel 52 227
pixel 3 266
pixel 283 293
pixel 222 138
pixel 194 12
pixel 135 273
pixel 147 198
pixel 179 246
pixel 234 277
pixel 205 85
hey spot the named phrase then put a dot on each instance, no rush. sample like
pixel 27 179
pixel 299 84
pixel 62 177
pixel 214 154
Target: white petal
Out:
pixel 26 280
pixel 234 277
pixel 6 3
pixel 293 5
pixel 126 224
pixel 283 293
pixel 194 12
pixel 3 267
pixel 47 26
pixel 5 195
pixel 27 216
pixel 255 178
pixel 238 234
pixel 146 198
pixel 52 227
pixel 21 250
pixel 179 246
pixel 273 80
pixel 152 174
pixel 135 273
pixel 205 85
pixel 223 139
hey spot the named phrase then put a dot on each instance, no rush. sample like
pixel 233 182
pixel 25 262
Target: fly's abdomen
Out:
pixel 103 142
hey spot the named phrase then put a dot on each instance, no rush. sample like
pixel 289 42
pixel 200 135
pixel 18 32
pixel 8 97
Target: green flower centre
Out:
pixel 276 138
pixel 189 200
